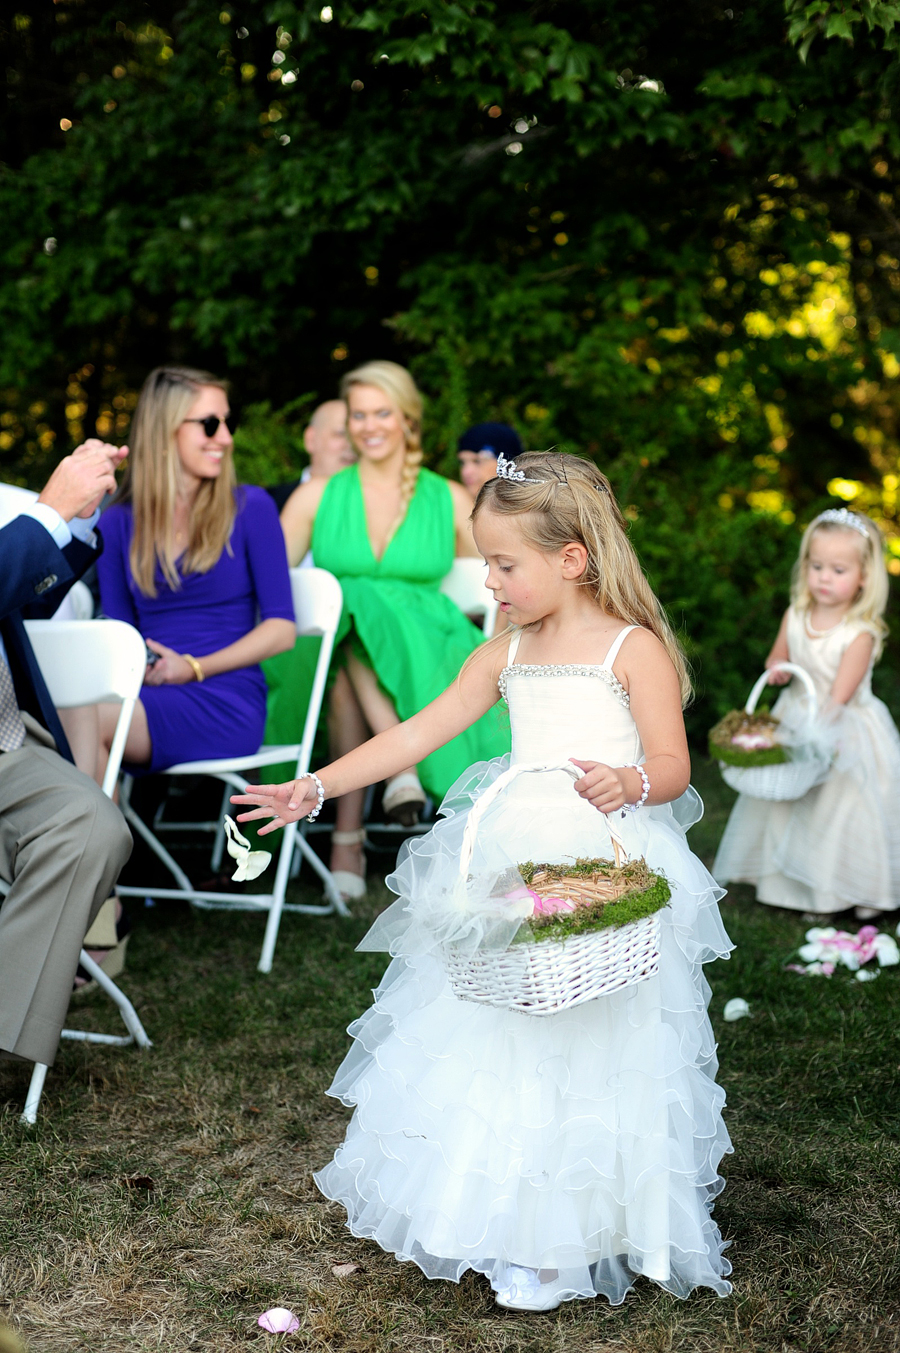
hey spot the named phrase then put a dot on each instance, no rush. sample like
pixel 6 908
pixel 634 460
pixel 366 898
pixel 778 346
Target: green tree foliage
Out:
pixel 662 235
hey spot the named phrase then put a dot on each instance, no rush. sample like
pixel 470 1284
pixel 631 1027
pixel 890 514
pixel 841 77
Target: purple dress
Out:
pixel 226 714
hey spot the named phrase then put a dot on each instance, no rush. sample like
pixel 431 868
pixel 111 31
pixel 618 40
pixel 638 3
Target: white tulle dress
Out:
pixel 584 1144
pixel 838 846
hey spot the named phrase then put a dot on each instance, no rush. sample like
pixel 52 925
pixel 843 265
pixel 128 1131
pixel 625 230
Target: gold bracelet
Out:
pixel 199 673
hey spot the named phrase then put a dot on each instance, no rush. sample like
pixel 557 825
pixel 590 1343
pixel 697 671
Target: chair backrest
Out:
pixel 318 600
pixel 12 500
pixel 77 604
pixel 85 662
pixel 464 585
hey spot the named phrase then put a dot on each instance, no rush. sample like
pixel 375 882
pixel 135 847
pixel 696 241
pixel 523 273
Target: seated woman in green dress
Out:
pixel 389 530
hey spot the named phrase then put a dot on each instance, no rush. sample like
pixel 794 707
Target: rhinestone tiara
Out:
pixel 842 516
pixel 506 469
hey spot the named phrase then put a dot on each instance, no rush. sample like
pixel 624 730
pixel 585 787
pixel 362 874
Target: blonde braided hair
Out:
pixel 400 389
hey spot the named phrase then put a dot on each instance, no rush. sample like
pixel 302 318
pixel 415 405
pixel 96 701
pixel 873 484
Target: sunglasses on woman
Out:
pixel 210 424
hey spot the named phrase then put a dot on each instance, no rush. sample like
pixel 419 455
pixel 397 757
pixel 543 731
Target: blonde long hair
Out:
pixel 572 500
pixel 151 483
pixel 870 604
pixel 400 389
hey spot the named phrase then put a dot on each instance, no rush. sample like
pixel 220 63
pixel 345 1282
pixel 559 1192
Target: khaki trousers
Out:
pixel 62 845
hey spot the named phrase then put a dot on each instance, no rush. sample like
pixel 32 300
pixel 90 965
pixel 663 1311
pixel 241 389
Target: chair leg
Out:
pixel 155 845
pixel 219 845
pixel 126 1009
pixel 273 920
pixel 332 892
pixel 295 842
pixel 35 1090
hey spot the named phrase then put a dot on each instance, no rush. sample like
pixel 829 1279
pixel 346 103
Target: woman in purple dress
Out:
pixel 198 565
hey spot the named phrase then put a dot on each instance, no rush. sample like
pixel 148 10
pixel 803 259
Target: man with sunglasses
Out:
pixel 62 842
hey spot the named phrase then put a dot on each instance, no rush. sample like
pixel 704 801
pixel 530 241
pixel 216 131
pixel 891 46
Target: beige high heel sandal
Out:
pixel 404 798
pixel 350 886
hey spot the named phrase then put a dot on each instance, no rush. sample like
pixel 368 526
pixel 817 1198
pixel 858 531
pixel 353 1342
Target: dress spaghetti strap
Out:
pixel 613 651
pixel 513 648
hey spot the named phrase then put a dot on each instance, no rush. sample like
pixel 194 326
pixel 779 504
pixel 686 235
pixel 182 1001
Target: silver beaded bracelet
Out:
pixel 645 783
pixel 320 794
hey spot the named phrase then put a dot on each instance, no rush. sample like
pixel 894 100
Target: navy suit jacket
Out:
pixel 35 575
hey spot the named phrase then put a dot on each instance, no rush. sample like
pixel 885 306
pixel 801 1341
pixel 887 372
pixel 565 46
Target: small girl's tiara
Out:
pixel 506 469
pixel 842 516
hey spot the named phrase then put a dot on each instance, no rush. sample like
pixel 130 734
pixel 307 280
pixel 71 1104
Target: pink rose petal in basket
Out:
pixel 753 742
pixel 549 906
pixel 520 895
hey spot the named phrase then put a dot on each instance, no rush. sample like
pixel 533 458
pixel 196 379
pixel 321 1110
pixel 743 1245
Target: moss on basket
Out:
pixel 643 893
pixel 737 721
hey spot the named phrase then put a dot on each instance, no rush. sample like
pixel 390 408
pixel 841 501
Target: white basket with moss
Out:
pixel 753 755
pixel 594 927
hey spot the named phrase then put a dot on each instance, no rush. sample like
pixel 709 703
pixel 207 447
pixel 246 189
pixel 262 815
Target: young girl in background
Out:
pixel 838 846
pixel 561 1156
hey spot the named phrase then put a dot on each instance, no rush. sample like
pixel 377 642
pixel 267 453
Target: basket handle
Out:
pixel 483 803
pixel 805 680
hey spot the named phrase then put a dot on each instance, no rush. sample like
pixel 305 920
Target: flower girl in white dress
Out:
pixel 838 846
pixel 561 1156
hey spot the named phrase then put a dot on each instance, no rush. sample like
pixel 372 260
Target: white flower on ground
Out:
pixel 736 1008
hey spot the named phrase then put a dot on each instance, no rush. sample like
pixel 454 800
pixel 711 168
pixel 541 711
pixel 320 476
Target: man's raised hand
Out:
pixel 80 481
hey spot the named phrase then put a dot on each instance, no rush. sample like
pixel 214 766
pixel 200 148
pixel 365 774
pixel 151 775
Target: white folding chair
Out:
pixel 317 607
pixel 464 585
pixel 84 662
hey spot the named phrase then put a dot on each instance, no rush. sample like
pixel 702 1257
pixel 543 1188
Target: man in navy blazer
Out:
pixel 62 842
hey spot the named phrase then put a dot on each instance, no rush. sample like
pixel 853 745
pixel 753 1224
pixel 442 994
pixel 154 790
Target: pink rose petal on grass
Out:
pixel 278 1320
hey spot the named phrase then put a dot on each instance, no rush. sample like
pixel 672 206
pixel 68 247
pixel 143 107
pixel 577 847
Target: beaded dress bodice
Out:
pixel 556 713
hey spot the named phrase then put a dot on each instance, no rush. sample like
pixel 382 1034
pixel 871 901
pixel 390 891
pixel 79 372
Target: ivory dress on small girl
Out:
pixel 838 846
pixel 584 1143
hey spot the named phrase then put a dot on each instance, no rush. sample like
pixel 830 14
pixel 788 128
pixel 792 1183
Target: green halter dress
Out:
pixel 398 621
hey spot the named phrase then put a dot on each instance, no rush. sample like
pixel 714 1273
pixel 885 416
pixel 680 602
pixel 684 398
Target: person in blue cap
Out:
pixel 478 449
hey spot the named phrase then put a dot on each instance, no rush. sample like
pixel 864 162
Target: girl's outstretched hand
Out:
pixel 282 803
pixel 602 786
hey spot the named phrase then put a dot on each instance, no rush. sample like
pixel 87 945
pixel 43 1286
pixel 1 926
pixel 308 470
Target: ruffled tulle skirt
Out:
pixel 586 1142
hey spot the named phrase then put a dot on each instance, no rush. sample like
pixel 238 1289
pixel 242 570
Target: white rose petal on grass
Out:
pixel 864 975
pixel 250 863
pixel 736 1008
pixel 886 950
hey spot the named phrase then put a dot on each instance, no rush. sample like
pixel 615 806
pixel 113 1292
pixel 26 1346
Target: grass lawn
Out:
pixel 164 1200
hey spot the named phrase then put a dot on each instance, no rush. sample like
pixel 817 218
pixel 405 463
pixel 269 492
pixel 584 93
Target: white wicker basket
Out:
pixel 543 977
pixel 793 778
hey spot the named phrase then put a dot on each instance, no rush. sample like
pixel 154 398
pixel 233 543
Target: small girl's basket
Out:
pixel 543 976
pixel 798 767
